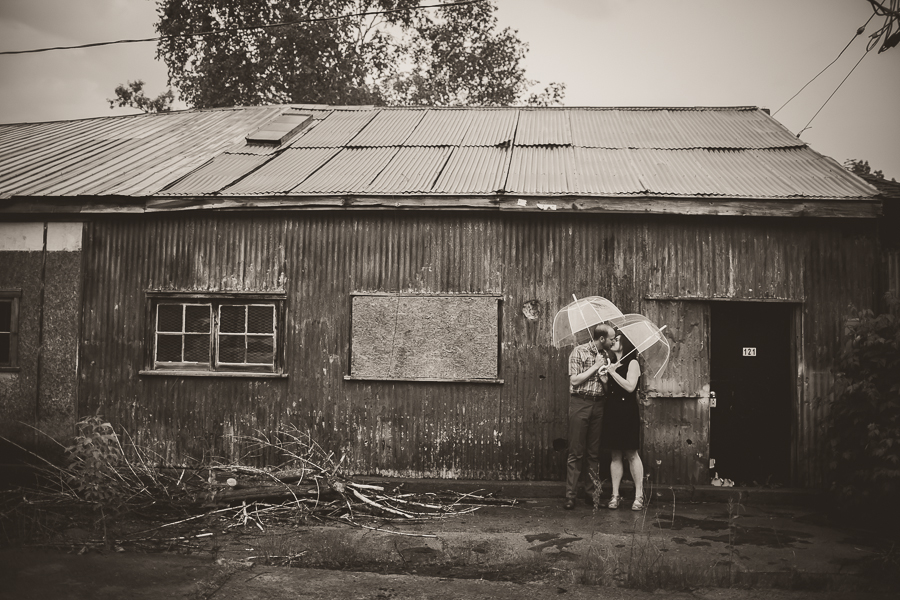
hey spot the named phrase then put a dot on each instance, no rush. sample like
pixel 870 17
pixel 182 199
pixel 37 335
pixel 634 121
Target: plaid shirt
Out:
pixel 581 359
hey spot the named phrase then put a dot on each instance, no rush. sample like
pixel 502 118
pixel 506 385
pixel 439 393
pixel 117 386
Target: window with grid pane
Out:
pixel 216 332
pixel 183 333
pixel 246 334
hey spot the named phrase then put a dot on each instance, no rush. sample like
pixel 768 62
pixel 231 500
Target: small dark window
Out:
pixel 183 334
pixel 9 329
pixel 247 334
pixel 217 334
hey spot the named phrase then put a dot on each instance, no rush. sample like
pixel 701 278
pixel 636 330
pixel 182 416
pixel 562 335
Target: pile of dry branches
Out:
pixel 304 483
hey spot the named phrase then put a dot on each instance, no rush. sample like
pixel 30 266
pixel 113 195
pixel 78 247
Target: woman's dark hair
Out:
pixel 627 346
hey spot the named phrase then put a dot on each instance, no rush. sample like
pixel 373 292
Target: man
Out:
pixel 587 388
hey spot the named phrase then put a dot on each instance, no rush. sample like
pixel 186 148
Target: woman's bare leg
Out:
pixel 615 470
pixel 637 471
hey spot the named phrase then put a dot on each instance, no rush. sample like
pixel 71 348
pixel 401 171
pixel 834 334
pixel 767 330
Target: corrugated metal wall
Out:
pixel 891 269
pixel 490 431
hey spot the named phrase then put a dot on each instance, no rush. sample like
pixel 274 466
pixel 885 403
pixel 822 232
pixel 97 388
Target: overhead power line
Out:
pixel 835 90
pixel 246 28
pixel 858 33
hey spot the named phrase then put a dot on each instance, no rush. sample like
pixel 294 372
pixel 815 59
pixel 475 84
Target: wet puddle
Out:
pixel 755 536
pixel 552 540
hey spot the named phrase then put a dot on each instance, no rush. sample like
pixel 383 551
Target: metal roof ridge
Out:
pixel 325 107
pixel 533 108
pixel 149 114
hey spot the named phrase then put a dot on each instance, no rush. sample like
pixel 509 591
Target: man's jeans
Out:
pixel 585 417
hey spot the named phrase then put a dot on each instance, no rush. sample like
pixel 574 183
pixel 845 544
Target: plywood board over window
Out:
pixel 425 338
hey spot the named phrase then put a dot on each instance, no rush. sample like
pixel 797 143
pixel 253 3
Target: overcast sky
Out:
pixel 607 52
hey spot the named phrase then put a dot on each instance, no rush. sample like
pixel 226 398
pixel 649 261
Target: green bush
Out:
pixel 864 427
pixel 94 460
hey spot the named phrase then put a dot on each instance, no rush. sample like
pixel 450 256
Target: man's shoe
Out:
pixel 589 500
pixel 570 504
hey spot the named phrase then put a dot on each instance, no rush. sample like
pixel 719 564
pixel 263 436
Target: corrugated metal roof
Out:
pixel 411 170
pixel 136 155
pixel 491 127
pixel 543 128
pixel 388 128
pixel 216 174
pixel 335 130
pixel 719 152
pixel 441 128
pixel 541 171
pixel 604 172
pixel 352 171
pixel 673 129
pixel 284 172
pixel 473 170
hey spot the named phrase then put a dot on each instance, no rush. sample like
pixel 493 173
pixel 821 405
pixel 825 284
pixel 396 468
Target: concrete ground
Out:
pixel 692 541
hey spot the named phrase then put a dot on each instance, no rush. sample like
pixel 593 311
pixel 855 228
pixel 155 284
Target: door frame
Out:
pixel 797 365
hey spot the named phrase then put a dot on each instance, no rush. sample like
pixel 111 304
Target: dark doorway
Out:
pixel 750 371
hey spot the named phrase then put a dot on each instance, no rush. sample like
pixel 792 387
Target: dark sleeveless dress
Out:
pixel 621 428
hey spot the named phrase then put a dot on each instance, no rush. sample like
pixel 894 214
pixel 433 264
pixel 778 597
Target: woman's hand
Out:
pixel 605 369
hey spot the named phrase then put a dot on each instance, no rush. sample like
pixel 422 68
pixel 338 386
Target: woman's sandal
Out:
pixel 614 502
pixel 638 503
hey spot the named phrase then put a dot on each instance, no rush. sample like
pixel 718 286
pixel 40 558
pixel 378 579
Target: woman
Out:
pixel 621 428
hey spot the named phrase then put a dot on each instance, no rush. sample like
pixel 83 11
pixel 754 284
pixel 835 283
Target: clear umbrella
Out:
pixel 571 323
pixel 648 340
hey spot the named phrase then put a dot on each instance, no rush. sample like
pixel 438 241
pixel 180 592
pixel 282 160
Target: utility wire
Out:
pixel 858 33
pixel 247 28
pixel 835 90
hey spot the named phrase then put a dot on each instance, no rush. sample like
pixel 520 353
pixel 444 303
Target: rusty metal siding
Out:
pixel 511 431
pixel 675 412
pixel 840 270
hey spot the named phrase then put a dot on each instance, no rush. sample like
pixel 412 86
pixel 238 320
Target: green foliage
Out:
pixel 133 95
pixel 459 58
pixel 93 462
pixel 232 53
pixel 861 167
pixel 864 428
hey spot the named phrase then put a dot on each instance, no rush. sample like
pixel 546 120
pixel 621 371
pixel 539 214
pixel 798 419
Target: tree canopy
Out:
pixel 133 95
pixel 343 52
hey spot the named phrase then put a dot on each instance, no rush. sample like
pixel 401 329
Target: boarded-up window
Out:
pixel 435 338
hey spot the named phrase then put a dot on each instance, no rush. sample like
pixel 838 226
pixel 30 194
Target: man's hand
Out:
pixel 604 369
